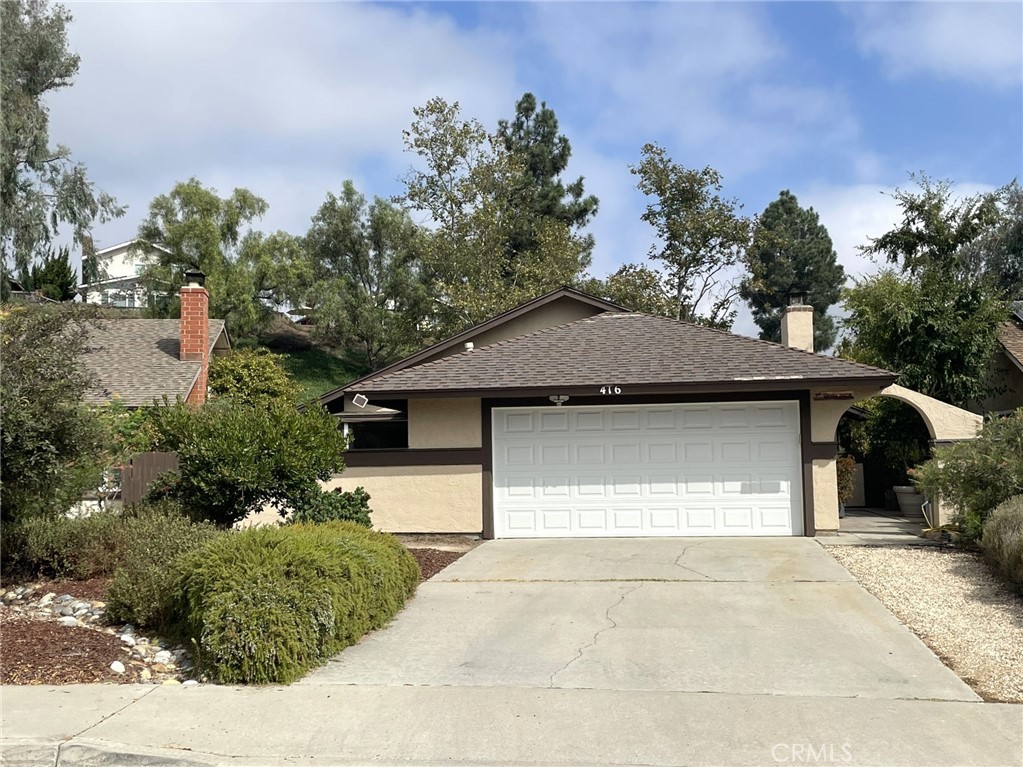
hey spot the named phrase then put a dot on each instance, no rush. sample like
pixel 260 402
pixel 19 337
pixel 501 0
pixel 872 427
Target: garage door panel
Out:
pixel 730 469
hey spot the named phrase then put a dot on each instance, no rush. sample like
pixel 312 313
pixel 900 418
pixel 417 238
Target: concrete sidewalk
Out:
pixel 331 725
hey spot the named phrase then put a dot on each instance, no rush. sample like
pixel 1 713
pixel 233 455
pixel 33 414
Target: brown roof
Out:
pixel 137 360
pixel 458 339
pixel 625 349
pixel 1010 336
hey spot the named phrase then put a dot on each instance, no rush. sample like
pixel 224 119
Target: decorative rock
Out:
pixel 171 681
pixel 160 668
pixel 127 628
pixel 65 598
pixel 67 611
pixel 128 639
pixel 189 683
pixel 47 599
pixel 117 667
pixel 163 656
pixel 68 621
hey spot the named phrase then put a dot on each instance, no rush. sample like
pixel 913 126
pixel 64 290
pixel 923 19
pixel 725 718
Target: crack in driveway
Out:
pixel 593 640
pixel 685 551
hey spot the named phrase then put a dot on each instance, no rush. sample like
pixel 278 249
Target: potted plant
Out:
pixel 845 468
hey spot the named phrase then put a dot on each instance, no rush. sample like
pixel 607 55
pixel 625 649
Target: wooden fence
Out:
pixel 141 470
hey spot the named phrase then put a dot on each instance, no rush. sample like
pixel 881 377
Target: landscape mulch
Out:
pixel 44 652
pixel 432 561
pixel 93 589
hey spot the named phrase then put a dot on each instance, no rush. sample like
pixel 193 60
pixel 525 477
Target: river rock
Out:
pixel 68 620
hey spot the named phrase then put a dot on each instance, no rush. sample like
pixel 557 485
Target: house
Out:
pixel 1005 371
pixel 120 266
pixel 572 416
pixel 141 361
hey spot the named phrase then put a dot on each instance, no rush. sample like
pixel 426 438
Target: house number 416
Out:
pixel 610 389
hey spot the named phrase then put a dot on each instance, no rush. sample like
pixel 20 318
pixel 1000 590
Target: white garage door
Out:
pixel 644 470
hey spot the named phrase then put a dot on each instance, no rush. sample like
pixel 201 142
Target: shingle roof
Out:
pixel 1010 336
pixel 623 349
pixel 137 360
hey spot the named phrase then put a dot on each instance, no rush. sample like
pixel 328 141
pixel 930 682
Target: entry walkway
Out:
pixel 876 527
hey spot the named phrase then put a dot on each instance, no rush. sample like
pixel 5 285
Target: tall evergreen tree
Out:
pixel 533 141
pixel 53 275
pixel 792 251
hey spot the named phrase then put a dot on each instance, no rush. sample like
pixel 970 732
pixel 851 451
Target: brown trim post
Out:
pixel 486 431
pixel 807 454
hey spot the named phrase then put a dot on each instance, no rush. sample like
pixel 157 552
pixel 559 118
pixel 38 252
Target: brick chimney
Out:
pixel 195 331
pixel 797 323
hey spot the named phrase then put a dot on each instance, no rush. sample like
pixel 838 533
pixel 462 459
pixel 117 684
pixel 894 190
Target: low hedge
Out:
pixel 1002 540
pixel 93 546
pixel 264 605
pixel 145 578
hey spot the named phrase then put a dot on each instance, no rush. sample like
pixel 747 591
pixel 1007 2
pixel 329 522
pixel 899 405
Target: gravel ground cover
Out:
pixel 955 604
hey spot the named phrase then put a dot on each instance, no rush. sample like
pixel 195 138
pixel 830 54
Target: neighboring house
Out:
pixel 571 416
pixel 139 361
pixel 1005 372
pixel 120 286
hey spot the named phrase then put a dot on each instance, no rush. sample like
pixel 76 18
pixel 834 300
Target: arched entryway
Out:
pixel 944 423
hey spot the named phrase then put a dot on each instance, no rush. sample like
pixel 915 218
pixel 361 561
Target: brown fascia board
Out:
pixel 497 321
pixel 710 387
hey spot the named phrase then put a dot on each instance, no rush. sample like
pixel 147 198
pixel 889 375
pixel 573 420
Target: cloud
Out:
pixel 713 82
pixel 298 97
pixel 976 42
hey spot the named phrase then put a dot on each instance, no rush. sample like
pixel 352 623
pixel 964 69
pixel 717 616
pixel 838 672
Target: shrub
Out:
pixel 252 376
pixel 83 547
pixel 845 467
pixel 234 459
pixel 266 604
pixel 334 506
pixel 977 475
pixel 144 578
pixel 59 547
pixel 1002 540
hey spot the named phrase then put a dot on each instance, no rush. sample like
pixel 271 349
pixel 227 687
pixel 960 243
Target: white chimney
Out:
pixel 797 323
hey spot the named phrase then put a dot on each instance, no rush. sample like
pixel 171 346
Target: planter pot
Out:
pixel 910 501
pixel 841 510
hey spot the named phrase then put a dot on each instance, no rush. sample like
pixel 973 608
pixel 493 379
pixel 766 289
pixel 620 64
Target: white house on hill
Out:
pixel 119 268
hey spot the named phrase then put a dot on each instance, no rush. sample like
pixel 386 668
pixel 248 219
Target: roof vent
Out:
pixel 469 346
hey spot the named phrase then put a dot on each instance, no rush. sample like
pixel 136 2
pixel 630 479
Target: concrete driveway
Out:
pixel 752 616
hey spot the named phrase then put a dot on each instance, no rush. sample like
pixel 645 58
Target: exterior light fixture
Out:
pixel 558 399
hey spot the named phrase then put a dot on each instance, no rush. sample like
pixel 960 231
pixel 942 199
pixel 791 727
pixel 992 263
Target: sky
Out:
pixel 837 102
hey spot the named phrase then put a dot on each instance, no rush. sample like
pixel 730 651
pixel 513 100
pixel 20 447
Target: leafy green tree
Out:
pixel 702 239
pixel 633 286
pixel 998 250
pixel 253 377
pixel 235 458
pixel 532 138
pixel 198 229
pixel 471 191
pixel 934 319
pixel 41 187
pixel 792 251
pixel 53 276
pixel 48 437
pixel 367 294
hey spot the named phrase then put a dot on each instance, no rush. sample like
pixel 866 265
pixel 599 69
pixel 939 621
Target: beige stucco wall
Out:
pixel 825 414
pixel 441 423
pixel 420 499
pixel 550 315
pixel 825 494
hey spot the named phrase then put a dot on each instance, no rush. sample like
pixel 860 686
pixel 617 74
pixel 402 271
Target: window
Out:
pixel 382 425
pixel 378 435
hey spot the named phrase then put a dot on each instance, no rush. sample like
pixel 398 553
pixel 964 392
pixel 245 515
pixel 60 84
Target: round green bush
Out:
pixel 1002 540
pixel 266 604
